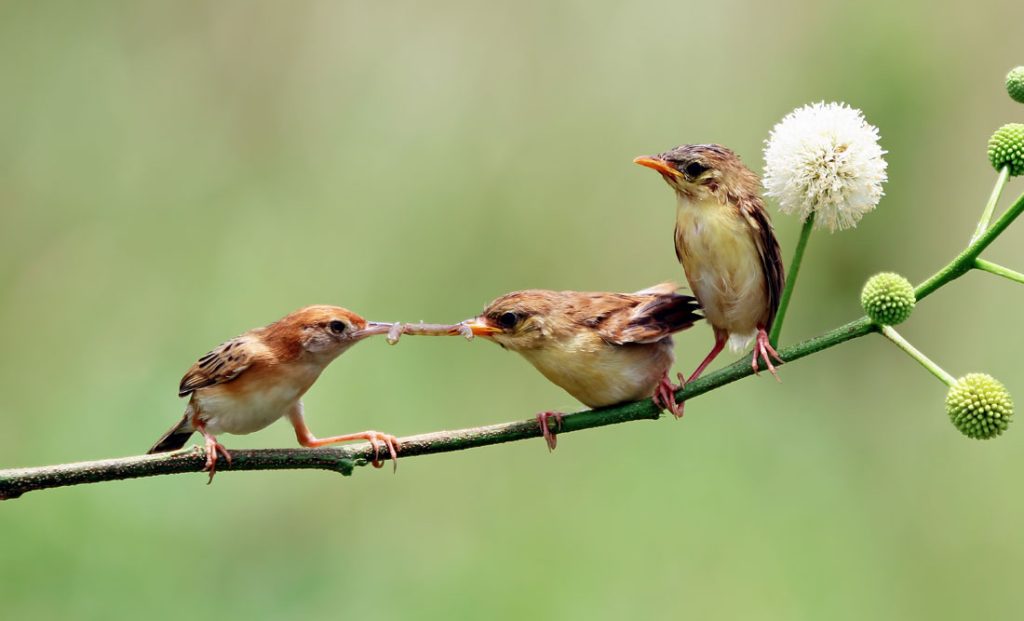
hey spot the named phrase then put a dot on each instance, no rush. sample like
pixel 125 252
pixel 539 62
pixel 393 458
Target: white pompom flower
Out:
pixel 824 159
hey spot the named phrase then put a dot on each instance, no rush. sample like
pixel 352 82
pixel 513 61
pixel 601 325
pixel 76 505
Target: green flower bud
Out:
pixel 888 298
pixel 1015 84
pixel 1006 148
pixel 979 406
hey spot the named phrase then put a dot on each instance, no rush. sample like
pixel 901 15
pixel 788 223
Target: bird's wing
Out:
pixel 229 360
pixel 768 250
pixel 647 316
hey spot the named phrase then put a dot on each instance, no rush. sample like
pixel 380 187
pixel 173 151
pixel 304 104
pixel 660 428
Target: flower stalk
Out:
pixel 999 270
pixel 990 206
pixel 791 276
pixel 890 333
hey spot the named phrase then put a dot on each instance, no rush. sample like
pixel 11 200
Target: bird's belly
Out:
pixel 244 411
pixel 723 268
pixel 609 375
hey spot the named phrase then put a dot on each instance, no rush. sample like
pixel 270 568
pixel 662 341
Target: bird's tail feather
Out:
pixel 175 438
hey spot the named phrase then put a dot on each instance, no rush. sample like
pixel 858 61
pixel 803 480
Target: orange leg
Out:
pixel 212 449
pixel 764 349
pixel 375 438
pixel 549 436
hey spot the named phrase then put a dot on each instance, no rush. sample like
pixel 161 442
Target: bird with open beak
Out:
pixel 601 348
pixel 254 379
pixel 725 242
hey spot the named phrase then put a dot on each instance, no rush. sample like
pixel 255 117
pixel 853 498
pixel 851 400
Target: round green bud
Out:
pixel 1015 84
pixel 1006 148
pixel 979 406
pixel 888 298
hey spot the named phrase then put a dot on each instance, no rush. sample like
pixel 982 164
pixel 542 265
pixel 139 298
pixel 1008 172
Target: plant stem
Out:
pixel 993 199
pixel 965 260
pixel 926 362
pixel 794 271
pixel 998 270
pixel 15 482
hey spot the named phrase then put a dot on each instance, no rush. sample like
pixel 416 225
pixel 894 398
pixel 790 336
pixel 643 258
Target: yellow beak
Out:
pixel 658 164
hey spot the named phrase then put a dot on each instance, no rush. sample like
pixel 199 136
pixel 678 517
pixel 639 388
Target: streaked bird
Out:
pixel 254 379
pixel 725 242
pixel 602 348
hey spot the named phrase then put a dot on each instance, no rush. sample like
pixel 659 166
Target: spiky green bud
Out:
pixel 1006 148
pixel 888 298
pixel 979 406
pixel 1015 84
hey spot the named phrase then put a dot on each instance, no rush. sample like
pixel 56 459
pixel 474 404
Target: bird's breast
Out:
pixel 254 400
pixel 722 265
pixel 602 374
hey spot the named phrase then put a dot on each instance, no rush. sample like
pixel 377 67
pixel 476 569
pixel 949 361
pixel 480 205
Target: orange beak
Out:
pixel 656 163
pixel 480 327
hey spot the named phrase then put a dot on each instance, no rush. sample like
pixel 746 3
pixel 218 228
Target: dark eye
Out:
pixel 508 320
pixel 694 169
pixel 337 327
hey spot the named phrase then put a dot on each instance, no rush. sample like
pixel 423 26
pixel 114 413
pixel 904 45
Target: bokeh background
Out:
pixel 174 173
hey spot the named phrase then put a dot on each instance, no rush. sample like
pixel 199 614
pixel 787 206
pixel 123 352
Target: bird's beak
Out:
pixel 372 328
pixel 480 327
pixel 656 163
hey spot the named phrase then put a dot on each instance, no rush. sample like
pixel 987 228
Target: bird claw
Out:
pixel 213 448
pixel 376 439
pixel 763 349
pixel 665 395
pixel 549 436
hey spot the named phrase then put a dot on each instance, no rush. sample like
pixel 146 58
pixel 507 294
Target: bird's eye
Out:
pixel 694 169
pixel 337 326
pixel 508 320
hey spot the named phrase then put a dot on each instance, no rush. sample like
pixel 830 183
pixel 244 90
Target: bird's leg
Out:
pixel 375 438
pixel 764 349
pixel 720 339
pixel 549 436
pixel 665 395
pixel 212 448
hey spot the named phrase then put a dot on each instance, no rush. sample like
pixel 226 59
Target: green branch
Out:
pixel 15 482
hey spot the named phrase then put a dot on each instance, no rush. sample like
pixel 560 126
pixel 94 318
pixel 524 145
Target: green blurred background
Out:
pixel 172 174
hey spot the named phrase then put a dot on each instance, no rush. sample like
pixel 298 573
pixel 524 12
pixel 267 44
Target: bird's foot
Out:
pixel 549 436
pixel 763 349
pixel 212 449
pixel 665 395
pixel 376 440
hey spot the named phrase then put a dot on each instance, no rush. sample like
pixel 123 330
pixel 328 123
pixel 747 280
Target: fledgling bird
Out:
pixel 725 242
pixel 249 382
pixel 602 348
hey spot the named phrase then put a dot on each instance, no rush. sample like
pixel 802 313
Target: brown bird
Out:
pixel 602 348
pixel 725 242
pixel 256 378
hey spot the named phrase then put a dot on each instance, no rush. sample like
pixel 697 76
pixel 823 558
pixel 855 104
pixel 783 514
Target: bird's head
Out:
pixel 323 330
pixel 701 171
pixel 519 321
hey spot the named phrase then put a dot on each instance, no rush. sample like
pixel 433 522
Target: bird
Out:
pixel 602 348
pixel 725 243
pixel 250 381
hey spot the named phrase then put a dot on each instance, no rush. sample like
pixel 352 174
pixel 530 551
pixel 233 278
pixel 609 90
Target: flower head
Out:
pixel 1015 84
pixel 824 159
pixel 1006 148
pixel 979 406
pixel 888 298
